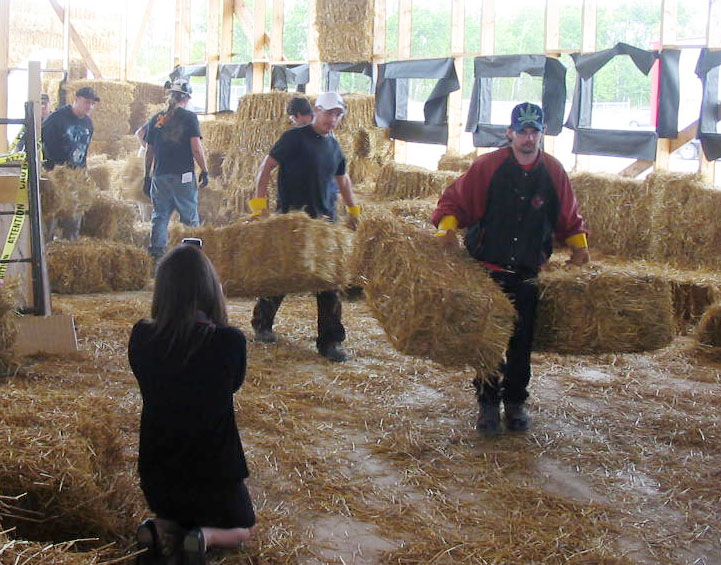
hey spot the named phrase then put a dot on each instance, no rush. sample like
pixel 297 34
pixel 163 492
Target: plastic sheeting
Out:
pixel 707 69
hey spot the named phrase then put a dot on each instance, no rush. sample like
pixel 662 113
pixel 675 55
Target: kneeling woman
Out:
pixel 188 363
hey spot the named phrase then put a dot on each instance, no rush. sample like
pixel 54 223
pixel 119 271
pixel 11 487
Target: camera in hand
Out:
pixel 193 241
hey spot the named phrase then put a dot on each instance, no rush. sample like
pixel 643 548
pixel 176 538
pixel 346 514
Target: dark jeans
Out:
pixel 330 327
pixel 522 290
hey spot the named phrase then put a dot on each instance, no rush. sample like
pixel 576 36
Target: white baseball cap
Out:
pixel 329 101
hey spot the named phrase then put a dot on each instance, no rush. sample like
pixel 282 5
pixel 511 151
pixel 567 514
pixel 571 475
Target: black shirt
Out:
pixel 170 139
pixel 66 138
pixel 308 164
pixel 188 434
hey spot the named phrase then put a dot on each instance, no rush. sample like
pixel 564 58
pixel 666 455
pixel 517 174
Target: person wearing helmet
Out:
pixel 174 142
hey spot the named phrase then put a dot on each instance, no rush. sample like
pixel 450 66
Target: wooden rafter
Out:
pixel 84 53
pixel 139 37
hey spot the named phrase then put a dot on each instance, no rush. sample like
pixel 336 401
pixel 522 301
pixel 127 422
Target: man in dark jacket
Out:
pixel 513 201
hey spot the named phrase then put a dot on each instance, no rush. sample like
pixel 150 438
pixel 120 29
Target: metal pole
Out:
pixel 41 290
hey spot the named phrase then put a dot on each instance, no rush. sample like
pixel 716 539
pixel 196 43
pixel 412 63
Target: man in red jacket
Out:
pixel 513 201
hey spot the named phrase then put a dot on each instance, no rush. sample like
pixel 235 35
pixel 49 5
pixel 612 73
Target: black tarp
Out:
pixel 283 75
pixel 392 99
pixel 333 73
pixel 485 69
pixel 707 69
pixel 226 73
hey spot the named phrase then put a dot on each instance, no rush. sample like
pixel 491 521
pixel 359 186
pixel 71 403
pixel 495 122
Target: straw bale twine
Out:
pixel 708 333
pixel 110 218
pixel 452 161
pixel 617 211
pixel 283 254
pixel 345 30
pixel 111 116
pixel 431 302
pixel 146 96
pixel 92 265
pixel 686 230
pixel 62 450
pixel 69 191
pixel 597 309
pixel 398 181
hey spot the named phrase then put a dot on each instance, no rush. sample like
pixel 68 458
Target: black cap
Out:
pixel 527 115
pixel 89 93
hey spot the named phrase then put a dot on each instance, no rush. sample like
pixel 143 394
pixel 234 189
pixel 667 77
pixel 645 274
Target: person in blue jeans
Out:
pixel 174 143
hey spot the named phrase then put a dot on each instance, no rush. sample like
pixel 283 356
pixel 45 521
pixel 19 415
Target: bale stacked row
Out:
pixel 398 181
pixel 452 161
pixel 431 302
pixel 345 30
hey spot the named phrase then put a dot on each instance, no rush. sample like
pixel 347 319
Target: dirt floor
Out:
pixel 376 460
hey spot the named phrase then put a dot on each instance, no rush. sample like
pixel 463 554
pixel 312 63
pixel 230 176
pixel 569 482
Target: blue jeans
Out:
pixel 168 194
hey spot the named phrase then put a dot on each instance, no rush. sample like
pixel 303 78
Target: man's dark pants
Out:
pixel 522 290
pixel 330 327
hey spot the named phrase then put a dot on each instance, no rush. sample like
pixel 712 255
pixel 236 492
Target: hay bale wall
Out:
pixel 398 181
pixel 600 309
pixel 111 116
pixel 283 254
pixel 431 302
pixel 92 265
pixel 345 30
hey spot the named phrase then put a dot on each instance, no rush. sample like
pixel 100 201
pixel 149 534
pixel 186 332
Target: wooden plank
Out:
pixel 315 79
pixel 552 40
pixel 245 18
pixel 276 30
pixel 4 72
pixel 226 32
pixel 139 37
pixel 636 168
pixel 684 136
pixel 80 46
pixel 405 23
pixel 259 42
pixel 185 30
pixel 212 56
pixel 45 334
pixel 455 99
pixel 488 27
pixel 379 31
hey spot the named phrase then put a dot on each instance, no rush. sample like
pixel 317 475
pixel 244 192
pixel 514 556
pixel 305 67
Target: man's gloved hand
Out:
pixel 147 181
pixel 354 213
pixel 203 179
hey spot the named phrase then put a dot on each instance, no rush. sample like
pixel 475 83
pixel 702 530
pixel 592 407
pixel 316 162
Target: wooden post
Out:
pixel 259 35
pixel 181 50
pixel 70 33
pixel 226 32
pixel 405 23
pixel 588 45
pixel 669 15
pixel 315 80
pixel 4 69
pixel 455 99
pixel 65 18
pixel 139 38
pixel 276 31
pixel 488 40
pixel 713 41
pixel 552 48
pixel 212 55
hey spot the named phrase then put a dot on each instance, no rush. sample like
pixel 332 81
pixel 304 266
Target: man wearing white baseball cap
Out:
pixel 309 158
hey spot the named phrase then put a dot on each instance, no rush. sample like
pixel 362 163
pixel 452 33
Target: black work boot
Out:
pixel 334 352
pixel 517 420
pixel 489 418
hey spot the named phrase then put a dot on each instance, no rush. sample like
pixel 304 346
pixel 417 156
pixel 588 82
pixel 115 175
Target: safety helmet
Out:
pixel 181 85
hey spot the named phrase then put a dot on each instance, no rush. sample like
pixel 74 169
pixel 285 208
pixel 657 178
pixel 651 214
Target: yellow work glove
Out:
pixel 257 206
pixel 354 211
pixel 447 223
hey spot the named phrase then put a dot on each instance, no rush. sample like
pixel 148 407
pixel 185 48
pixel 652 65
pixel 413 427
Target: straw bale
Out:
pixel 263 106
pixel 398 181
pixel 111 116
pixel 21 551
pixel 111 219
pixel 601 309
pixel 69 191
pixel 686 230
pixel 91 265
pixel 8 313
pixel 145 96
pixel 62 455
pixel 363 143
pixel 151 110
pixel 345 30
pixel 283 254
pixel 213 204
pixel 452 161
pixel 617 211
pixel 360 112
pixel 431 302
pixel 416 212
pixel 363 169
pixel 708 333
pixel 101 172
pixel 218 134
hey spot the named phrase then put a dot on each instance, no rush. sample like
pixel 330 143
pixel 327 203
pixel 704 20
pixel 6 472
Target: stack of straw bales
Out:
pixel 111 116
pixel 686 230
pixel 617 211
pixel 110 219
pixel 67 463
pixel 345 30
pixel 147 98
pixel 708 333
pixel 452 161
pixel 599 309
pixel 218 136
pixel 431 302
pixel 283 254
pixel 92 265
pixel 398 181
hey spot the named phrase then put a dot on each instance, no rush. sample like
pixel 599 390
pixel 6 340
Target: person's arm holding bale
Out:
pixel 259 204
pixel 570 225
pixel 345 187
pixel 196 146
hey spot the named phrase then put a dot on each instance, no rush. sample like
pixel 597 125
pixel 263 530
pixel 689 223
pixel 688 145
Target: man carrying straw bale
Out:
pixel 66 136
pixel 513 201
pixel 310 159
pixel 173 141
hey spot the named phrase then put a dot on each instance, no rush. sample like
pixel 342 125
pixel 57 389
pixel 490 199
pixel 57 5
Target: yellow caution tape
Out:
pixel 21 208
